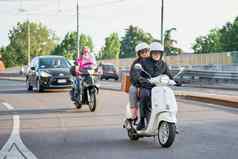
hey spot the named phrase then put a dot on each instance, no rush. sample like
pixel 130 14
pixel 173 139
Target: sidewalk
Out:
pixel 214 96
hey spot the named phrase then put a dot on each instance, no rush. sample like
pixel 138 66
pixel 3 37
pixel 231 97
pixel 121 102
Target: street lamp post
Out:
pixel 29 42
pixel 162 23
pixel 78 28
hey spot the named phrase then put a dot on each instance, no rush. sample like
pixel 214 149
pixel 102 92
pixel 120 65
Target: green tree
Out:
pixel 112 47
pixel 133 36
pixel 169 47
pixel 218 40
pixel 208 44
pixel 8 57
pixel 229 38
pixel 42 41
pixel 68 46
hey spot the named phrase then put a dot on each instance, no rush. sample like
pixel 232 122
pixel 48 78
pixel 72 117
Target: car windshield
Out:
pixel 53 63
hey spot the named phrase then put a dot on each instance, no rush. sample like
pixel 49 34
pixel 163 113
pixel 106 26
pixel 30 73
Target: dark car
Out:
pixel 109 71
pixel 48 72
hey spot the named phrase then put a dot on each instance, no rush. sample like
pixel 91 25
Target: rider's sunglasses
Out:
pixel 143 51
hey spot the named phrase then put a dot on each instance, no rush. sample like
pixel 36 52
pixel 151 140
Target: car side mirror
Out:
pixel 33 68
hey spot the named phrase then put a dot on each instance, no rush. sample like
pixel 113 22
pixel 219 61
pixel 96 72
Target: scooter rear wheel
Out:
pixel 167 132
pixel 132 135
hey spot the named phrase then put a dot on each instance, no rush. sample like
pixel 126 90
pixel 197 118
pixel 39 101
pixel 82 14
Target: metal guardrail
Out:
pixel 208 78
pixel 210 67
pixel 203 78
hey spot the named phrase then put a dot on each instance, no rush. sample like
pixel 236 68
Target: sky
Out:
pixel 191 18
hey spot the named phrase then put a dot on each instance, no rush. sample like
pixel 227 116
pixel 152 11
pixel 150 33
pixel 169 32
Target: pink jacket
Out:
pixel 85 61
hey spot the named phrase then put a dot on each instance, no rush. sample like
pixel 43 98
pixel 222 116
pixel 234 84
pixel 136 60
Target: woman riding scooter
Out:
pixel 154 66
pixel 142 51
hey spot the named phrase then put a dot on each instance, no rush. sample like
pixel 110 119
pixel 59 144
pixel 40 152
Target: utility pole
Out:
pixel 29 42
pixel 78 53
pixel 162 23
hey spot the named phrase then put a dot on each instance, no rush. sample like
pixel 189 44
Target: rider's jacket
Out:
pixel 134 74
pixel 85 61
pixel 154 68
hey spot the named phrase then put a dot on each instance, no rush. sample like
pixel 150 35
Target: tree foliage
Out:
pixel 68 46
pixel 218 40
pixel 111 50
pixel 169 47
pixel 133 36
pixel 42 41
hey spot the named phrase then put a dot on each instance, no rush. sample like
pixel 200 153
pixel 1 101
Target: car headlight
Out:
pixel 44 74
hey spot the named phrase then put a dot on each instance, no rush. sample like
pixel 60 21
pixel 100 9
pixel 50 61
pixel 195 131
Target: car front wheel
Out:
pixel 38 86
pixel 29 86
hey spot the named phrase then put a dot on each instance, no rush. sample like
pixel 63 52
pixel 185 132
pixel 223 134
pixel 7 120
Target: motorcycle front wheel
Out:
pixel 167 132
pixel 92 103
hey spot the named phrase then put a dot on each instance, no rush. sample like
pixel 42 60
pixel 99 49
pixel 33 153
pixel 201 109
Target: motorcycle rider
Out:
pixel 155 66
pixel 84 61
pixel 142 51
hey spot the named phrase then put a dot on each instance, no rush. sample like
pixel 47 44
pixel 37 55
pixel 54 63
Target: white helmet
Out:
pixel 141 46
pixel 156 46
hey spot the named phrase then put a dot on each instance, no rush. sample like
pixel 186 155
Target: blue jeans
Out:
pixel 76 88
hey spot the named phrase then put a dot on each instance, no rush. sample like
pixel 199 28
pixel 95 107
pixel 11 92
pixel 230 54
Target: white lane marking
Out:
pixel 14 147
pixel 9 107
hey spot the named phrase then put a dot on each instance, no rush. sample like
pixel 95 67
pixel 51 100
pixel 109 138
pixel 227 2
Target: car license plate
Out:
pixel 61 80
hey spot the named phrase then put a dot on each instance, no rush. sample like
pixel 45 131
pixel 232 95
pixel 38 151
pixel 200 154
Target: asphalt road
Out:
pixel 47 126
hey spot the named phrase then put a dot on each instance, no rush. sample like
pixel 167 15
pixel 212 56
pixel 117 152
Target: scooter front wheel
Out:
pixel 167 132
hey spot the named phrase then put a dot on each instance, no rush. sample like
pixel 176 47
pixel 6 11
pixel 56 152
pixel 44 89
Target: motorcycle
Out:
pixel 162 119
pixel 88 90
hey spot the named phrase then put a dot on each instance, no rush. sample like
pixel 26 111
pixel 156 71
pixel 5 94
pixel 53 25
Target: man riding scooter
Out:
pixel 154 66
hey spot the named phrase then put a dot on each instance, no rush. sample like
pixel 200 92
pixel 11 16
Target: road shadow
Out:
pixel 43 111
pixel 86 112
pixel 23 91
pixel 18 91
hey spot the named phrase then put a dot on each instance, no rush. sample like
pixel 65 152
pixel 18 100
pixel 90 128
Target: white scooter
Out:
pixel 162 122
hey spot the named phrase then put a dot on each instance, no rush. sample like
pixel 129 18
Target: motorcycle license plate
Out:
pixel 61 81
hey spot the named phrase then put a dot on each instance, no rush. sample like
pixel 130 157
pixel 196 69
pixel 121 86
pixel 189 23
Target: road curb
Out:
pixel 207 98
